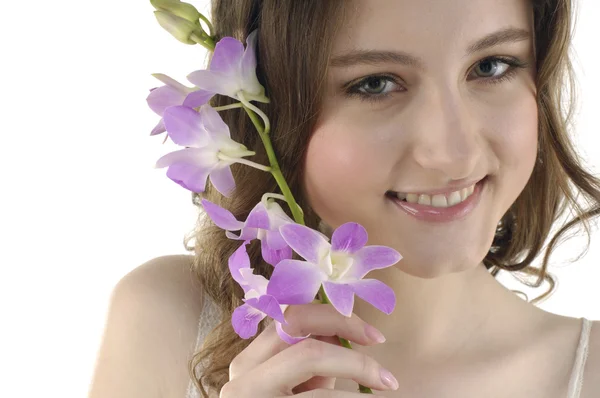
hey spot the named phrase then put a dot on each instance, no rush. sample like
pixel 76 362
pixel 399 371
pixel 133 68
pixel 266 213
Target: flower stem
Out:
pixel 207 22
pixel 345 343
pixel 264 117
pixel 296 210
pixel 225 107
pixel 247 162
pixel 275 170
pixel 209 44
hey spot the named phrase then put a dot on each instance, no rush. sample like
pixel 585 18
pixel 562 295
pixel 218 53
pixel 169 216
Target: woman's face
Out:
pixel 437 114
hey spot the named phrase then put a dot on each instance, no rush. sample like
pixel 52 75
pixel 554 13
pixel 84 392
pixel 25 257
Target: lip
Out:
pixel 445 191
pixel 442 214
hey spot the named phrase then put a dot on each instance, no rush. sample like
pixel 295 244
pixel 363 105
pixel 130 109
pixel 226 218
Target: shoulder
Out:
pixel 150 331
pixel 591 375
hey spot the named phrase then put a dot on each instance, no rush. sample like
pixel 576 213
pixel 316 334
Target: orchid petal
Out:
pixel 268 305
pixel 239 260
pixel 227 55
pixel 197 98
pixel 214 124
pixel 184 126
pixel 295 282
pixel 159 128
pixel 245 234
pixel 202 158
pixel 275 240
pixel 286 337
pixel 250 83
pixel 160 98
pixel 277 215
pixel 349 238
pixel 274 256
pixel 341 297
pixel 245 320
pixel 222 180
pixel 307 243
pixel 215 82
pixel 257 283
pixel 188 176
pixel 258 217
pixel 372 257
pixel 375 292
pixel 221 217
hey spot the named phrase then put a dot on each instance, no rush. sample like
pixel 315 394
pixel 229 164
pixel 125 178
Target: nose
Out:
pixel 447 137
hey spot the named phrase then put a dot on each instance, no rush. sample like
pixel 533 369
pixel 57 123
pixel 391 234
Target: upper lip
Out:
pixel 446 190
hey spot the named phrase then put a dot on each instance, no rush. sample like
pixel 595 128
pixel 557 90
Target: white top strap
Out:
pixel 209 317
pixel 576 381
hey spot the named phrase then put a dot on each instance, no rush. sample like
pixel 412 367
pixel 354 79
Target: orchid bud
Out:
pixel 179 27
pixel 178 8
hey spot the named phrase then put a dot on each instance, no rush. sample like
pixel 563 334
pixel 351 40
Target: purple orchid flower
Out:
pixel 232 69
pixel 339 266
pixel 258 304
pixel 171 94
pixel 262 223
pixel 210 149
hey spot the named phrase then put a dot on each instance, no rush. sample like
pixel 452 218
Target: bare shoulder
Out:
pixel 150 331
pixel 591 375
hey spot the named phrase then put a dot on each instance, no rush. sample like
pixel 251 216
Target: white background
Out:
pixel 80 202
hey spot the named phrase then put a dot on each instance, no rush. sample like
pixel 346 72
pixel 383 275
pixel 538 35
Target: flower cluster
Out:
pixel 335 267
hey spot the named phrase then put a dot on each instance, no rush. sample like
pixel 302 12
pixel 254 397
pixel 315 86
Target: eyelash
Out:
pixel 513 63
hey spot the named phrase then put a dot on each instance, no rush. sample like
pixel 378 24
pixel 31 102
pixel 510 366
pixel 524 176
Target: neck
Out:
pixel 438 317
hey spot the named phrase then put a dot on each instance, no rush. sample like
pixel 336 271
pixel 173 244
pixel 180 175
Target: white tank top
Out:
pixel 210 316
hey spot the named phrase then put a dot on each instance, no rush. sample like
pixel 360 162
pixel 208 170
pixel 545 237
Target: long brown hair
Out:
pixel 294 45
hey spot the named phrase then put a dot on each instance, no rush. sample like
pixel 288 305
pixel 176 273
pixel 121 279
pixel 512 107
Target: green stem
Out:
pixel 207 22
pixel 275 170
pixel 296 211
pixel 264 117
pixel 207 43
pixel 225 107
pixel 244 161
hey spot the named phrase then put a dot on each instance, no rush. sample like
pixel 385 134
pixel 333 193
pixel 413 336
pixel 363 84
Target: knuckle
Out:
pixel 294 316
pixel 365 364
pixel 310 349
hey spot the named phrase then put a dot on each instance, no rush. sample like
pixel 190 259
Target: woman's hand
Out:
pixel 269 367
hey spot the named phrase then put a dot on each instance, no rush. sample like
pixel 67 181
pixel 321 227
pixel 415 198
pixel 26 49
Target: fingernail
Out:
pixel 388 379
pixel 374 334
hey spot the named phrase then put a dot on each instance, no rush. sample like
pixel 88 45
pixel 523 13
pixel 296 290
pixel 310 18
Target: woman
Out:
pixel 436 125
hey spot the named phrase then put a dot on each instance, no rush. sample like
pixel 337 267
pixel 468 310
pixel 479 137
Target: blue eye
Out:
pixel 377 88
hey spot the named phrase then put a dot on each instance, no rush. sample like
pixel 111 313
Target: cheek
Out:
pixel 517 136
pixel 340 166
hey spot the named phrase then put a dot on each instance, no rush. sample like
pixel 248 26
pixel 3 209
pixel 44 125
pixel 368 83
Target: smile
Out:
pixel 440 207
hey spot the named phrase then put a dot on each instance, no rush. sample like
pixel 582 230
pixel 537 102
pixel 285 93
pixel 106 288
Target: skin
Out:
pixel 456 331
pixel 438 126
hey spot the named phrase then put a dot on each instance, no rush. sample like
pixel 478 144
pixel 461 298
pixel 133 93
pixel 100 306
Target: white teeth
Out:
pixel 439 200
pixel 454 198
pixel 424 200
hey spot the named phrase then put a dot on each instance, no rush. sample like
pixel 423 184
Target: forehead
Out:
pixel 427 27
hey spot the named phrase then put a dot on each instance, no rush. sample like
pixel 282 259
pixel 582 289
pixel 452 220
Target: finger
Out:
pixel 315 319
pixel 319 382
pixel 310 358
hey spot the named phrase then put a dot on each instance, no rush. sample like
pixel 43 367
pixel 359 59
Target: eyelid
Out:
pixel 514 64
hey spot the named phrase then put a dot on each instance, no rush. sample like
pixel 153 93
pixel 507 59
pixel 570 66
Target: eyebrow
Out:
pixel 370 57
